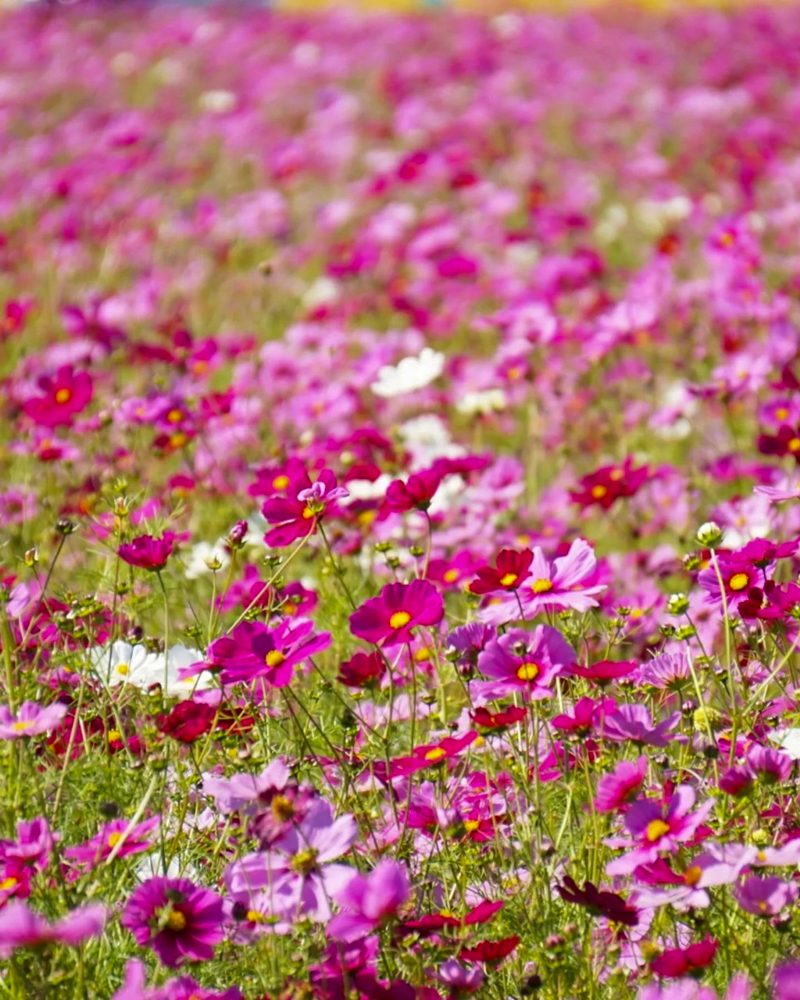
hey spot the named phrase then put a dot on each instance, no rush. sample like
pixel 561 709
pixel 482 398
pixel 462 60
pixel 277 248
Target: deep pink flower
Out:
pixel 616 789
pixel 523 662
pixel 415 494
pixel 180 988
pixel 389 618
pixel 369 900
pixel 147 552
pixel 674 962
pixel 20 927
pixel 92 852
pixel 570 581
pixel 298 513
pixel 177 919
pixel 63 396
pixel 431 755
pixel 30 719
pixel 633 722
pixel 252 650
pixel 786 980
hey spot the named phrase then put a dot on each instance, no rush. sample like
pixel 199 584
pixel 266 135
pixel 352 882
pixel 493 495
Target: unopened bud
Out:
pixel 709 534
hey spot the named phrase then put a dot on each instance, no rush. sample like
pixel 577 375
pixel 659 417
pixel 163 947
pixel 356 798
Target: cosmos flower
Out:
pixel 253 651
pixel 389 619
pixel 30 719
pixel 367 901
pixel 110 838
pixel 64 395
pixel 409 374
pixel 147 552
pixel 297 514
pixel 523 662
pixel 177 919
pixel 415 494
pixel 20 927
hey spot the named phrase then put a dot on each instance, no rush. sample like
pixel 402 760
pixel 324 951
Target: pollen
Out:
pixel 508 579
pixel 63 396
pixel 541 586
pixel 113 736
pixel 399 619
pixel 308 512
pixel 739 581
pixel 178 440
pixel 656 829
pixel 280 482
pixel 528 671
pixel 20 727
pixel 304 862
pixel 274 658
pixel 793 444
pixel 123 668
pixel 599 491
pixel 693 875
pixel 174 416
pixel 435 754
pixel 9 883
pixel 471 825
pixel 281 808
pixel 781 413
pixel 422 655
pixel 255 917
pixel 451 576
pixel 114 839
pixel 176 921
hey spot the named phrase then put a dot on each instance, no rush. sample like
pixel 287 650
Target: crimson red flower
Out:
pixel 498 720
pixel 63 395
pixel 605 671
pixel 609 483
pixel 598 902
pixel 785 442
pixel 188 721
pixel 147 552
pixel 362 670
pixel 510 570
pixel 490 951
pixel 415 494
pixel 430 922
pixel 675 962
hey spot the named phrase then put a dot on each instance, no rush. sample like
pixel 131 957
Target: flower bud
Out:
pixel 709 534
pixel 237 535
pixel 677 604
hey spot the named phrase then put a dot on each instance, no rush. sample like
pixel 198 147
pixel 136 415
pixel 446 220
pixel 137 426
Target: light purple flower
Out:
pixel 369 900
pixel 31 719
pixel 20 927
pixel 765 897
pixel 633 722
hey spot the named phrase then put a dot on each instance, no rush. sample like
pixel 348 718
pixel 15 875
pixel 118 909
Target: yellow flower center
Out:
pixel 514 373
pixel 693 875
pixel 304 862
pixel 447 914
pixel 422 655
pixel 20 727
pixel 599 491
pixel 114 735
pixel 471 825
pixel 178 440
pixel 508 579
pixel 8 883
pixel 528 671
pixel 280 482
pixel 176 921
pixel 436 754
pixel 656 829
pixel 282 808
pixel 615 475
pixel 451 575
pixel 174 416
pixel 739 581
pixel 114 839
pixel 308 512
pixel 781 413
pixel 63 396
pixel 794 444
pixel 274 658
pixel 399 619
pixel 123 668
pixel 255 917
pixel 541 586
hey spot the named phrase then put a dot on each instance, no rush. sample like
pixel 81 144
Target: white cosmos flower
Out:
pixel 409 374
pixel 427 438
pixel 123 663
pixel 485 401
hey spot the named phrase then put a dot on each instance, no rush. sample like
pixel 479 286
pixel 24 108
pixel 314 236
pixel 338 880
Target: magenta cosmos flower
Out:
pixel 658 826
pixel 616 789
pixel 180 988
pixel 252 651
pixel 415 494
pixel 20 927
pixel 523 662
pixel 369 900
pixel 176 918
pixel 63 396
pixel 92 852
pixel 765 897
pixel 570 581
pixel 147 552
pixel 31 720
pixel 298 513
pixel 296 878
pixel 389 618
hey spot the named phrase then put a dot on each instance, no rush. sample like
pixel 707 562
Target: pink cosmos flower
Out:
pixel 181 988
pixel 568 582
pixel 368 900
pixel 389 618
pixel 253 650
pixel 147 552
pixel 415 494
pixel 31 719
pixel 616 789
pixel 523 662
pixel 299 512
pixel 177 919
pixel 786 981
pixel 429 756
pixel 63 396
pixel 20 927
pixel 659 826
pixel 765 897
pixel 92 852
pixel 296 878
pixel 633 722
pixel 790 490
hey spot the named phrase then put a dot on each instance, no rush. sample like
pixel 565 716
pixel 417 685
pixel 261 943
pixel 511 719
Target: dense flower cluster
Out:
pixel 400 558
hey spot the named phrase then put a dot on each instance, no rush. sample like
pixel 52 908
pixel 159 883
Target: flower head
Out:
pixel 389 618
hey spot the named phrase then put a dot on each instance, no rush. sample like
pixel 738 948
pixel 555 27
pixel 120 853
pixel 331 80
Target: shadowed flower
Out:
pixel 765 897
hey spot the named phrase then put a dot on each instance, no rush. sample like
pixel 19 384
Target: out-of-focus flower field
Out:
pixel 399 525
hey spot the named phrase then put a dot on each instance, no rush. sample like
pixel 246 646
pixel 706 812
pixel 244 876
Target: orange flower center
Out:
pixel 451 575
pixel 280 482
pixel 174 416
pixel 793 444
pixel 176 921
pixel 693 875
pixel 615 475
pixel 656 829
pixel 63 396
pixel 599 491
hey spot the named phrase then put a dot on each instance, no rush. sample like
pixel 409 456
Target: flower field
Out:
pixel 399 523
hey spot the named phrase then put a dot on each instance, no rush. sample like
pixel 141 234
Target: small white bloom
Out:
pixel 427 438
pixel 204 558
pixel 217 102
pixel 409 374
pixel 123 663
pixel 321 293
pixel 486 401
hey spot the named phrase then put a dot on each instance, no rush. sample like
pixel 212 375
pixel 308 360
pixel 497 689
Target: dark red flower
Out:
pixel 785 442
pixel 415 494
pixel 498 720
pixel 362 670
pixel 675 962
pixel 430 922
pixel 490 951
pixel 605 671
pixel 510 570
pixel 609 483
pixel 598 902
pixel 188 721
pixel 147 552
